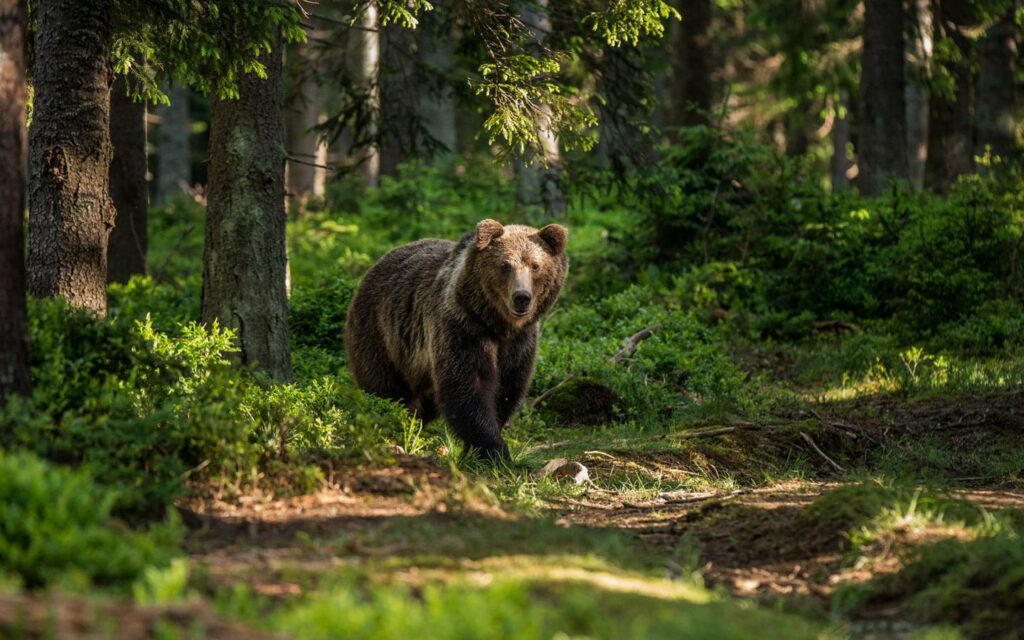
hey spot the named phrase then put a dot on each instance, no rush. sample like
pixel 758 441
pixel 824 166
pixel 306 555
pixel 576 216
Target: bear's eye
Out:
pixel 506 267
pixel 535 266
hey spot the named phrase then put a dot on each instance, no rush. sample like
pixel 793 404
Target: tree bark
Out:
pixel 71 213
pixel 951 118
pixel 919 53
pixel 882 152
pixel 14 371
pixel 437 108
pixel 691 65
pixel 244 258
pixel 173 164
pixel 539 180
pixel 128 188
pixel 996 98
pixel 368 71
pixel 305 178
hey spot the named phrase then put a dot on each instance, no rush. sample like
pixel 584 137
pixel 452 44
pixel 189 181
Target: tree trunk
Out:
pixel 919 53
pixel 996 98
pixel 841 138
pixel 128 189
pixel 244 258
pixel 305 178
pixel 951 118
pixel 437 108
pixel 539 180
pixel 174 165
pixel 691 65
pixel 69 154
pixel 368 62
pixel 14 372
pixel 882 152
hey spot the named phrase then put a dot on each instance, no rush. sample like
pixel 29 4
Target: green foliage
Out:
pixel 777 252
pixel 139 408
pixel 205 45
pixel 978 584
pixel 524 610
pixel 868 509
pixel 626 21
pixel 56 528
pixel 683 366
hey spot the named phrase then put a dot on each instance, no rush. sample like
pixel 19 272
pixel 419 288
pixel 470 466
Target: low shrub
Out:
pixel 56 528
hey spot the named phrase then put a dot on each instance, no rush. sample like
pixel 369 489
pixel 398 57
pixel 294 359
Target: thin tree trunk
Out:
pixel 841 138
pixel 69 154
pixel 996 91
pixel 244 258
pixel 882 152
pixel 539 180
pixel 128 189
pixel 305 178
pixel 14 371
pixel 437 108
pixel 691 65
pixel 174 166
pixel 368 71
pixel 919 53
pixel 397 107
pixel 951 118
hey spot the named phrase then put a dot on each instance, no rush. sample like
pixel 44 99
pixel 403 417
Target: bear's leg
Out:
pixel 517 360
pixel 467 384
pixel 423 406
pixel 381 378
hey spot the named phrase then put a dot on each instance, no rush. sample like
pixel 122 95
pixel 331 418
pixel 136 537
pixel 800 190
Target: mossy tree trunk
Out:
pixel 14 373
pixel 244 260
pixel 128 189
pixel 882 146
pixel 71 213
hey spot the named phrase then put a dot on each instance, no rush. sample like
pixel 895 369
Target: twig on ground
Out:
pixel 629 346
pixel 821 453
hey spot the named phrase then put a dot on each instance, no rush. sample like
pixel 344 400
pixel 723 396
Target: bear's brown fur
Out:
pixel 452 326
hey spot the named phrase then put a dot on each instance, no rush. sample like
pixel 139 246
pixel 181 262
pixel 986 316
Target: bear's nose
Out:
pixel 521 299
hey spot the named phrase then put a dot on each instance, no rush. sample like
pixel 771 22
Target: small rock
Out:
pixel 560 469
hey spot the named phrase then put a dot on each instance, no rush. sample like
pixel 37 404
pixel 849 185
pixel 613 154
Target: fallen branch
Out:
pixel 629 346
pixel 731 428
pixel 821 453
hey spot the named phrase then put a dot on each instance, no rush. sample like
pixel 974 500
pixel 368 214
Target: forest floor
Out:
pixel 682 525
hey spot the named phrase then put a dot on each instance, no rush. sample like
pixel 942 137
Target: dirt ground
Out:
pixel 754 541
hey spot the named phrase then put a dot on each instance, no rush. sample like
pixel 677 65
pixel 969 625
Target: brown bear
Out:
pixel 452 326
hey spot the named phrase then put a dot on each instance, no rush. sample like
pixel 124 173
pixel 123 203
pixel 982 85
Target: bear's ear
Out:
pixel 487 230
pixel 556 236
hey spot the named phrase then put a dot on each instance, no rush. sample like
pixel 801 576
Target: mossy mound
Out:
pixel 581 402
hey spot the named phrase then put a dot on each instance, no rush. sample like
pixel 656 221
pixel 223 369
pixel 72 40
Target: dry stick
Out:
pixel 822 453
pixel 629 346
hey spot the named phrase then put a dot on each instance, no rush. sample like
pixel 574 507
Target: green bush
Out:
pixel 141 409
pixel 682 366
pixel 56 528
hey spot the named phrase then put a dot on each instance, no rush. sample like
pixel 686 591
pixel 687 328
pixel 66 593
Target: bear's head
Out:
pixel 520 269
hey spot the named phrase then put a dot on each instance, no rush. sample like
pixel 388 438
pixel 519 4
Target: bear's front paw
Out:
pixel 495 454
